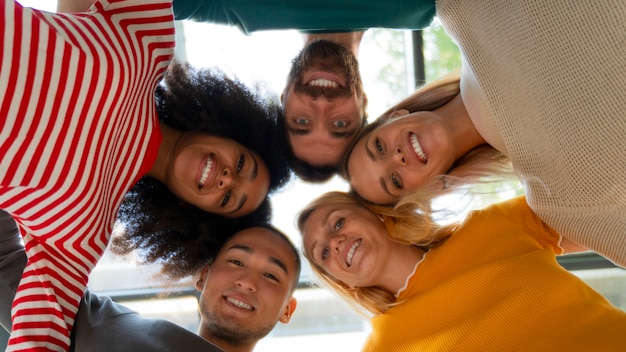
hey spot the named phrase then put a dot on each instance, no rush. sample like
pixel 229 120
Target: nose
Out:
pixel 321 104
pixel 246 282
pixel 226 178
pixel 336 242
pixel 398 156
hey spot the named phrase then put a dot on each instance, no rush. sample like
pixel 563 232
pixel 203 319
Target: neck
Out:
pixel 230 348
pixel 351 40
pixel 464 134
pixel 170 138
pixel 223 344
pixel 401 266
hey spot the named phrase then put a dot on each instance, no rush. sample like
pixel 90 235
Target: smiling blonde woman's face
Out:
pixel 399 156
pixel 349 242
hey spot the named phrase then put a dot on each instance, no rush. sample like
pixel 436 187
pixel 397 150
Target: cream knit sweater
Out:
pixel 545 83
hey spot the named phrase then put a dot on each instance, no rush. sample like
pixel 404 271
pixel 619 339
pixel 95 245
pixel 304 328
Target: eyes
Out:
pixel 242 159
pixel 240 164
pixel 395 180
pixel 325 253
pixel 338 224
pixel 303 122
pixel 267 275
pixel 340 124
pixel 379 146
pixel 225 199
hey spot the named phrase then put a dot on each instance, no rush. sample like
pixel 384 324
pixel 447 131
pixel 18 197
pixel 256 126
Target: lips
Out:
pixel 324 80
pixel 205 171
pixel 417 148
pixel 239 304
pixel 352 250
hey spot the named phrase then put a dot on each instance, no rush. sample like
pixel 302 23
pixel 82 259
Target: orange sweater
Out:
pixel 495 285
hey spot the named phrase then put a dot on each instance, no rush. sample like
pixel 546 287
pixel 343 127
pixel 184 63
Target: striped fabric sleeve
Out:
pixel 78 127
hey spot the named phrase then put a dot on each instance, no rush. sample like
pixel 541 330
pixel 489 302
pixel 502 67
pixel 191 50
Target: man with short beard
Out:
pixel 248 288
pixel 245 290
pixel 324 104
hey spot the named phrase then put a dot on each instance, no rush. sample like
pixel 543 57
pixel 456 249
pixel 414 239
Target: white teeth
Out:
pixel 205 171
pixel 239 304
pixel 351 252
pixel 418 148
pixel 323 82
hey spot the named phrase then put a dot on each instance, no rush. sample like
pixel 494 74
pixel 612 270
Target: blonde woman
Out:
pixel 490 283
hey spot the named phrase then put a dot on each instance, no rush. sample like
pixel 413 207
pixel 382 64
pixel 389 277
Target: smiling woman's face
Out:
pixel 399 156
pixel 349 242
pixel 218 175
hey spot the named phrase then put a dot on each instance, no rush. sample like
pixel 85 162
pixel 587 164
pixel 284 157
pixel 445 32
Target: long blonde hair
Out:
pixel 477 165
pixel 405 224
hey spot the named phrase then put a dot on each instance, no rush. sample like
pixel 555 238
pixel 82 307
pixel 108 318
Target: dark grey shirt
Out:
pixel 101 324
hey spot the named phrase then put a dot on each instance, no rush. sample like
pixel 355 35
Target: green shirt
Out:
pixel 309 15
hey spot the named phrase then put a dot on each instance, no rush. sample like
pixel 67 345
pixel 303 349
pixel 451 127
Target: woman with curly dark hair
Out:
pixel 157 224
pixel 81 127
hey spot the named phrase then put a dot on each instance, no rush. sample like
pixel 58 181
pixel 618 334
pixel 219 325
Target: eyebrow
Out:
pixel 367 149
pixel 255 167
pixel 299 131
pixel 249 250
pixel 344 134
pixel 383 184
pixel 240 205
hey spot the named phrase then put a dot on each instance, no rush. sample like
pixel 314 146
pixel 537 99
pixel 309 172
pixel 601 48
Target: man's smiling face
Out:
pixel 248 287
pixel 323 102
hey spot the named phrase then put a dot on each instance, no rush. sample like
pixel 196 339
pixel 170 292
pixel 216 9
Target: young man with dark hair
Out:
pixel 244 291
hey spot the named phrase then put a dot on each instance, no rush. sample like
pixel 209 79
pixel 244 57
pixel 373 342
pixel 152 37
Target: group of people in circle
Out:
pixel 100 123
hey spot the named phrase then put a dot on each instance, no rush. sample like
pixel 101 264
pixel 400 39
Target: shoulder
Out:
pixel 99 319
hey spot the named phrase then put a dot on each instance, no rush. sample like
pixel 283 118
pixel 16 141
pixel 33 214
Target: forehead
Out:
pixel 262 242
pixel 318 150
pixel 318 219
pixel 202 137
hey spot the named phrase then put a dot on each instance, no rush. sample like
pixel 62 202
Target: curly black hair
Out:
pixel 162 229
pixel 208 101
pixel 159 226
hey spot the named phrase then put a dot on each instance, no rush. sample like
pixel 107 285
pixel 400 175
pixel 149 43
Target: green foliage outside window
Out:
pixel 441 54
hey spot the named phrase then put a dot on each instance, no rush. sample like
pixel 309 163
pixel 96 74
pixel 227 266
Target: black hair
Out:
pixel 161 227
pixel 208 101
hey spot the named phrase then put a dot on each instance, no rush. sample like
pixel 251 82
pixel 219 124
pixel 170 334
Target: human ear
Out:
pixel 290 307
pixel 201 278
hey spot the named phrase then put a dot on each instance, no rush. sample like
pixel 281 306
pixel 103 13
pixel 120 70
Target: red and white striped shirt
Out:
pixel 78 127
